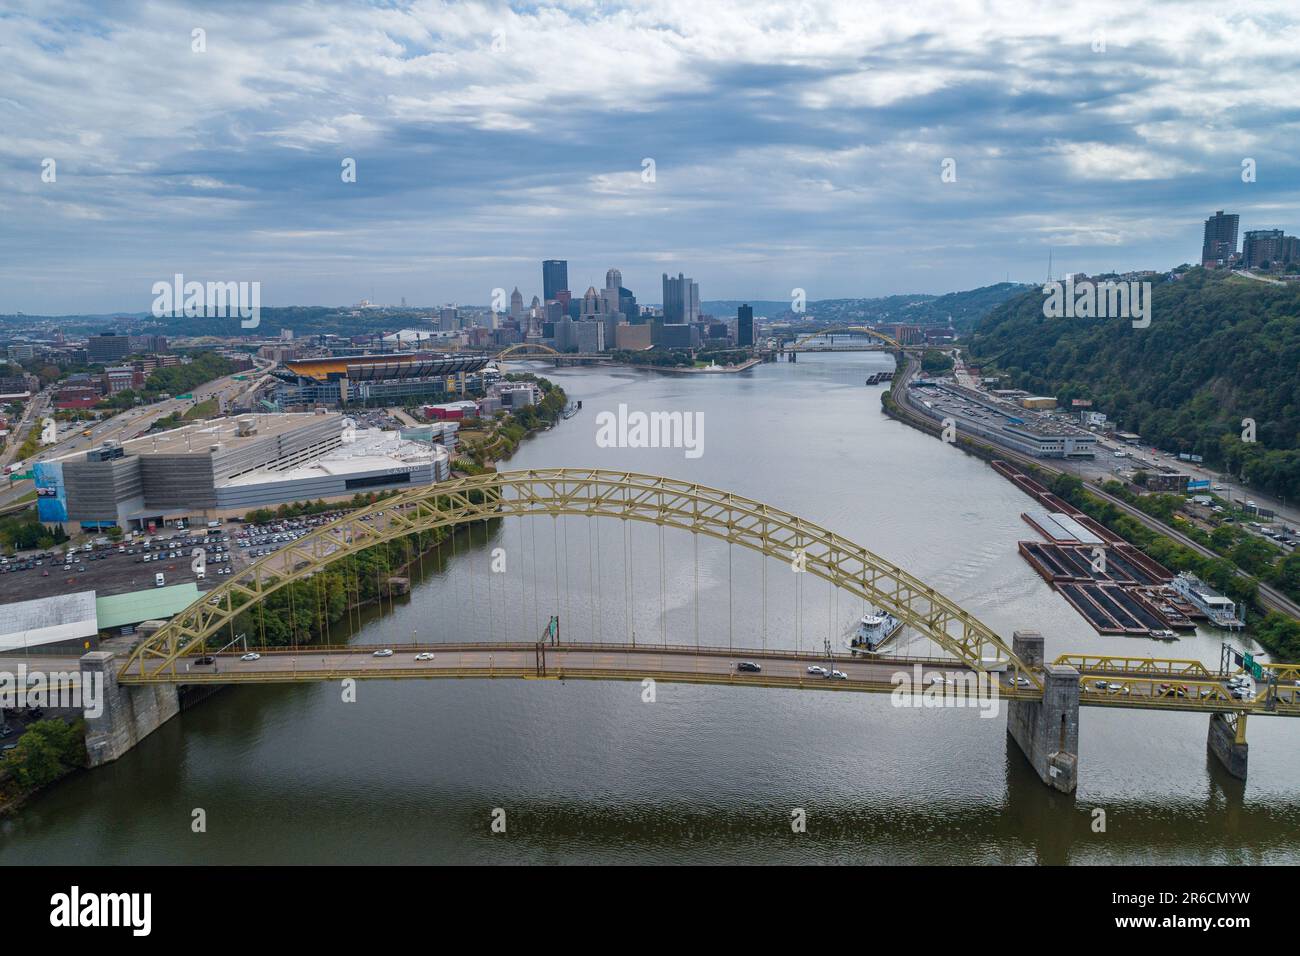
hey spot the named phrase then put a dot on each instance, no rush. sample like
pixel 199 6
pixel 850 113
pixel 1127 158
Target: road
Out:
pixel 779 669
pixel 1269 596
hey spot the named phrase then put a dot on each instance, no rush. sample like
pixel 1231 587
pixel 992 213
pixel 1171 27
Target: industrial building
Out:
pixel 229 466
pixel 1040 437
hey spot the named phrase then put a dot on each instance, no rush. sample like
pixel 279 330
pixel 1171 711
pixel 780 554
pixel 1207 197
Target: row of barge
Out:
pixel 1117 588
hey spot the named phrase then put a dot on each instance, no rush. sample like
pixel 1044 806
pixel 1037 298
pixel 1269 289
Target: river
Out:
pixel 588 772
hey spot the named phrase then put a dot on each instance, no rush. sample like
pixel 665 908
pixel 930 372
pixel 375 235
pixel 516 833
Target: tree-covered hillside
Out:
pixel 1219 349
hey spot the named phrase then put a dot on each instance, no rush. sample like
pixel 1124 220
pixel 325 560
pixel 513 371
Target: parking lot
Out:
pixel 132 564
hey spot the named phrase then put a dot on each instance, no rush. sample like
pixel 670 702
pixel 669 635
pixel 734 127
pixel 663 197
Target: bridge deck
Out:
pixel 704 665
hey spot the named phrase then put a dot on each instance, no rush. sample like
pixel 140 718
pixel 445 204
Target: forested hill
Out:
pixel 1219 349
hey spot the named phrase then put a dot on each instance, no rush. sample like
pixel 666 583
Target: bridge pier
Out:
pixel 1227 742
pixel 1047 731
pixel 128 714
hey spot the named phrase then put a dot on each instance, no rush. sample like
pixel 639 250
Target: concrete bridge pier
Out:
pixel 1227 742
pixel 1047 731
pixel 128 714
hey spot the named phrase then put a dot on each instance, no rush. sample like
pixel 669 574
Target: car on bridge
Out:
pixel 819 671
pixel 424 656
pixel 383 652
pixel 748 667
pixel 251 656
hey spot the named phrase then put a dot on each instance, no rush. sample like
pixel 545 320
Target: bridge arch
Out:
pixel 590 493
pixel 845 329
pixel 532 348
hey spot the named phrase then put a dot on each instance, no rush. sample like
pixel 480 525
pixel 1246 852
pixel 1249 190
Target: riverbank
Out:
pixel 1278 633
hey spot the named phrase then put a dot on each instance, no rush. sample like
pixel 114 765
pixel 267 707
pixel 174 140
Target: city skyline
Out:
pixel 785 150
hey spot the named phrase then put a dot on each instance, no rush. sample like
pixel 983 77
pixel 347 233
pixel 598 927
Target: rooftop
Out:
pixel 372 449
pixel 133 607
pixel 199 437
pixel 58 617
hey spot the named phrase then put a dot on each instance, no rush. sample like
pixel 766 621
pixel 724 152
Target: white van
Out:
pixel 158 580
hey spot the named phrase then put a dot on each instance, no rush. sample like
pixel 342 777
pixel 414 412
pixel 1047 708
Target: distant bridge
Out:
pixel 878 341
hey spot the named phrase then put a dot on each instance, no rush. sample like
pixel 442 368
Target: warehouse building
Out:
pixel 62 619
pixel 229 466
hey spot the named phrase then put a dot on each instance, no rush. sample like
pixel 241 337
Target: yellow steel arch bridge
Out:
pixel 590 493
pixel 801 344
pixel 968 645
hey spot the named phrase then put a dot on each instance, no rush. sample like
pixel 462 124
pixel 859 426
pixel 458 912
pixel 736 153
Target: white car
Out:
pixel 251 656
pixel 820 671
pixel 839 675
pixel 424 656
pixel 383 652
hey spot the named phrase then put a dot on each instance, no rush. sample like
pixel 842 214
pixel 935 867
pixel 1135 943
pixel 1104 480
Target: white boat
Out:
pixel 872 631
pixel 1221 611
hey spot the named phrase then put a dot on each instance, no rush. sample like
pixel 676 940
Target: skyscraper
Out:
pixel 1220 239
pixel 555 276
pixel 744 326
pixel 681 300
pixel 516 304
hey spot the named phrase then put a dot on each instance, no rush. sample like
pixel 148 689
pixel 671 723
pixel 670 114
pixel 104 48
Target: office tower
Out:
pixel 107 347
pixel 627 305
pixel 681 300
pixel 592 303
pixel 448 319
pixel 516 304
pixel 1220 239
pixel 744 326
pixel 555 277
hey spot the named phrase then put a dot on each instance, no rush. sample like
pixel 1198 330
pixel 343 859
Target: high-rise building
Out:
pixel 106 347
pixel 627 305
pixel 516 304
pixel 555 276
pixel 448 319
pixel 744 326
pixel 681 300
pixel 1220 244
pixel 1267 247
pixel 592 303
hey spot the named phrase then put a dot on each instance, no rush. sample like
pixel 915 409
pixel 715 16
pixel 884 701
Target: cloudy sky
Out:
pixel 794 144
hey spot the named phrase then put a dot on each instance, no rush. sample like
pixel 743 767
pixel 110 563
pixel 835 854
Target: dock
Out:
pixel 1117 588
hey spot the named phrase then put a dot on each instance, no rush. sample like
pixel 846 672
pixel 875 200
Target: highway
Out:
pixel 1269 596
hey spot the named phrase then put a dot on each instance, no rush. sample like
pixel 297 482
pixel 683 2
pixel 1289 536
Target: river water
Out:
pixel 413 771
